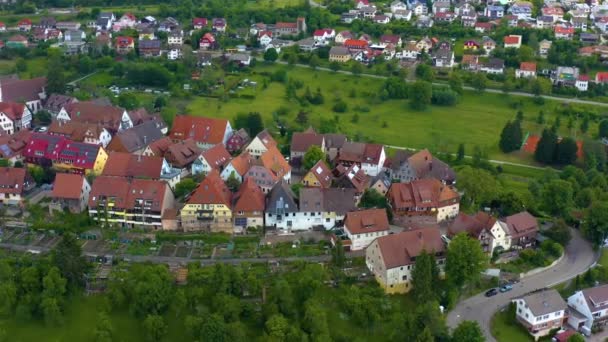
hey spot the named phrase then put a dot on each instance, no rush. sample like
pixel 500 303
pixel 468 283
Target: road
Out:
pixel 579 256
pixel 494 91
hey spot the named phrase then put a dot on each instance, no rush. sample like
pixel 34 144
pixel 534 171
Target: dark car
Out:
pixel 491 292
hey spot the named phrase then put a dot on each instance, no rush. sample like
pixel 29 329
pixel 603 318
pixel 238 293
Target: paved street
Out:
pixel 579 256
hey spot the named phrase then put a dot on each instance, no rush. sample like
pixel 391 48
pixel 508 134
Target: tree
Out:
pixel 540 86
pixel 603 128
pixel 541 118
pixel 338 257
pixel 233 183
pixel 43 117
pixel 254 123
pixel 154 328
pixel 271 55
pixel 103 328
pixel 479 81
pixel 356 68
pixel 20 65
pixel 53 284
pixel 425 72
pixel 277 326
pixel 460 154
pixel 576 337
pixel 479 185
pixel 465 260
pixel 334 66
pixel 312 156
pixel 51 311
pixel 424 277
pixel 184 187
pixel 559 232
pixel 128 101
pixel 420 94
pixel 585 124
pixel 314 61
pixel 468 331
pixel 315 321
pixel 455 82
pixel 557 197
pixel 55 83
pixel 67 256
pixel 511 137
pixel 510 202
pixel 213 329
pixel 595 225
pixel 545 150
pixel 566 153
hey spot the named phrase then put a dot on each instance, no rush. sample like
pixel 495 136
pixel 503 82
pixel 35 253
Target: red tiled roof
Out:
pixel 366 221
pixel 527 66
pixel 355 43
pixel 564 30
pixel 217 157
pixel 601 77
pixel 472 225
pixel 212 190
pixel 12 110
pixel 284 25
pixel 199 21
pixel 402 249
pixel 68 185
pixel 521 224
pixel 422 193
pixel 274 161
pixel 301 142
pixel 109 117
pixel 127 193
pixel 322 173
pixel 124 42
pixel 61 149
pixel 200 129
pixel 249 197
pixel 12 180
pixel 512 39
pixel 241 163
pixel 122 164
pixel 182 153
pixel 24 21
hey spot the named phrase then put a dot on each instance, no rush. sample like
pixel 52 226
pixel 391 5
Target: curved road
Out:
pixel 579 256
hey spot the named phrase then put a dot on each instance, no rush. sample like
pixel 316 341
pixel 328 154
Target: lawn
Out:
pixel 505 328
pixel 604 258
pixel 475 120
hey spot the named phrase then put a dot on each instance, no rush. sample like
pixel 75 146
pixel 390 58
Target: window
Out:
pixel 404 277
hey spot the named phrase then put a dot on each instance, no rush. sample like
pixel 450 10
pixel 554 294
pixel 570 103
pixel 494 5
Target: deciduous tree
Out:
pixel 154 328
pixel 595 225
pixel 420 95
pixel 468 331
pixel 312 156
pixel 424 277
pixel 465 260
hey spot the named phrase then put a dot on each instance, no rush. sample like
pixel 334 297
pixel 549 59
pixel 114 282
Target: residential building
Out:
pixel 543 47
pixel 260 144
pixel 215 158
pixel 341 37
pixel 237 141
pixel 175 37
pixel 339 54
pixel 392 258
pixel 351 177
pixel 88 133
pixel 104 21
pixel 369 157
pixel 24 25
pixel 135 139
pixel 318 176
pixel 362 227
pixel 207 132
pixel 406 167
pixel 526 70
pixel 114 119
pixel 14 183
pixel 30 92
pixel 168 25
pixel 208 42
pixel 269 169
pixel 199 23
pixel 323 208
pixel 493 66
pixel 381 183
pixel 490 232
pixel 219 25
pixel 121 164
pixel 470 63
pixel 512 41
pixel 249 204
pixel 588 309
pixel 209 208
pixel 541 312
pixel 149 47
pixel 333 144
pixel 70 192
pixel 601 77
pixel 521 9
pixel 494 11
pixel 443 58
pixel 14 117
pixel 523 228
pixel 124 44
pixel 237 167
pixel 180 155
pixel 582 83
pixel 423 201
pixel 65 154
pixel 565 76
pixel 563 32
pixel 12 146
pixel 301 142
pixel 281 207
pixel 127 21
pixel 131 203
pixel 356 44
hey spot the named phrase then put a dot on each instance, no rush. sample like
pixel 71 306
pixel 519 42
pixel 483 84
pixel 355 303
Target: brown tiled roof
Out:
pixel 15 143
pixel 402 249
pixel 301 142
pixel 183 153
pixel 596 297
pixel 348 176
pixel 217 156
pixel 68 185
pixel 135 138
pixel 266 138
pixel 334 140
pixel 472 225
pixel 200 129
pixel 212 190
pixel 12 110
pixel 55 102
pixel 335 200
pixel 249 197
pixel 12 180
pixel 241 163
pixel 322 173
pixel 521 224
pixel 366 221
pixel 14 90
pixel 74 130
pixel 274 161
pixel 109 117
pixel 126 192
pixel 121 164
pixel 423 193
pixel 161 146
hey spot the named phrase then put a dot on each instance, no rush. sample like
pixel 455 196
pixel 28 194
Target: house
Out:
pixel 14 183
pixel 494 11
pixel 130 203
pixel 349 17
pixel 423 201
pixel 70 192
pixel 563 32
pixel 381 19
pixel 301 142
pixel 406 167
pixel 588 309
pixel 124 44
pixel 208 42
pixel 149 48
pixel 397 5
pixel 392 258
pixel 541 312
pixel 565 76
pixel 237 141
pixel 483 27
pixel 521 9
pixel 367 12
pixel 269 169
pixel 114 119
pixel 362 227
pixel 68 25
pixel 526 70
pixel 260 144
pixel 290 28
pixel 12 146
pixel 64 154
pixel 214 158
pixel 582 83
pixel 493 66
pixel 46 34
pixel 424 22
pixel 410 51
pixel 168 25
pixel 127 21
pixel 180 155
pixel 339 54
pixel 543 47
pixel 121 164
pixel 342 37
pixel 88 133
pixel 402 14
pixel 544 22
pixel 318 176
pixel 104 21
pixel 601 77
pixel 440 7
pixel 470 63
pixel 556 12
pixel 135 139
pixel 471 45
pixel 579 23
pixel 237 167
pixel 369 157
pixel 420 9
pixel 351 177
pixel 361 3
pixel 199 23
pixel 443 58
pixel 31 92
pixel 207 132
pixel 488 44
pixel 281 207
pixel 175 37
pixel 589 38
pixel 356 44
pixel 324 208
pixel 381 183
pixel 2 27
pixel 490 232
pixel 512 41
pixel 14 117
pixel 424 45
pixel 174 53
pixel 393 39
pixel 17 42
pixel 264 37
pixel 240 59
pixel 103 41
pixel 322 35
pixel 523 228
pixel 24 25
pixel 249 204
pixel 146 33
pixel 74 42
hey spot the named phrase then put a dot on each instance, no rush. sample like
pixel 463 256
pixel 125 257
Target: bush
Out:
pixel 552 248
pixel 340 106
pixel 444 97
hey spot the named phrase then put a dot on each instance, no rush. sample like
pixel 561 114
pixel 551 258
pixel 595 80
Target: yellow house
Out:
pixel 91 160
pixel 319 176
pixel 209 208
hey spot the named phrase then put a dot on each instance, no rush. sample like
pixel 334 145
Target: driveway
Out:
pixel 579 256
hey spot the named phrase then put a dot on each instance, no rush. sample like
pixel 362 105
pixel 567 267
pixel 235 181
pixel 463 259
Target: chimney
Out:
pixel 139 158
pixel 419 235
pixel 145 139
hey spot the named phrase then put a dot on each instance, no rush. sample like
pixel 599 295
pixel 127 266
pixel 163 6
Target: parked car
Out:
pixel 491 292
pixel 506 288
pixel 445 239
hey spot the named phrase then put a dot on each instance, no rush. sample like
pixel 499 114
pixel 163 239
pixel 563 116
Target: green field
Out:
pixel 476 120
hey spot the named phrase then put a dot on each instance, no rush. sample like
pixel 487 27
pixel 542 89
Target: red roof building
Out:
pixel 24 24
pixel 601 77
pixel 249 205
pixel 63 153
pixel 13 183
pixel 199 23
pixel 206 132
pixel 71 191
pixel 356 44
